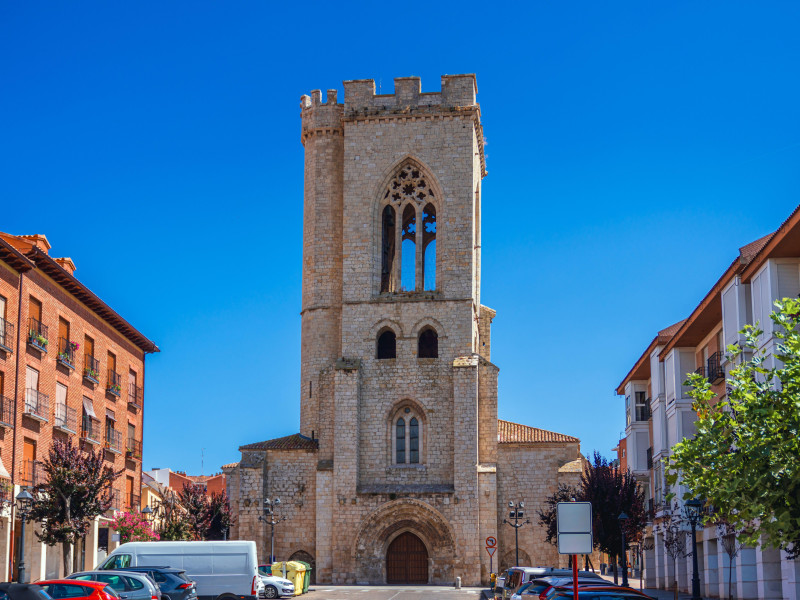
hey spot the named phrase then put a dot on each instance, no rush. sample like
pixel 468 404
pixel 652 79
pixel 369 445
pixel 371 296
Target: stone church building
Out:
pixel 401 468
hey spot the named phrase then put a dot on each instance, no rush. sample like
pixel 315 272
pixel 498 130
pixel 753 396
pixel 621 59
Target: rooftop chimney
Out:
pixel 67 264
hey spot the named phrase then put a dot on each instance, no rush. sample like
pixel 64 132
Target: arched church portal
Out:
pixel 407 560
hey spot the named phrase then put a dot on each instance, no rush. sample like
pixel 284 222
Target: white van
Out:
pixel 222 570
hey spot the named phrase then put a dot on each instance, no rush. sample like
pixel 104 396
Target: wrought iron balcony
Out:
pixel 37 334
pixel 33 473
pixel 135 394
pixel 132 502
pixel 91 369
pixel 643 412
pixel 6 335
pixel 37 404
pixel 6 412
pixel 116 501
pixel 716 373
pixel 90 429
pixel 66 352
pixel 700 371
pixel 66 418
pixel 113 440
pixel 134 449
pixel 114 386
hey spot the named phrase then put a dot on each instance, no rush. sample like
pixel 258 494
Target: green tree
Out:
pixel 78 489
pixel 743 460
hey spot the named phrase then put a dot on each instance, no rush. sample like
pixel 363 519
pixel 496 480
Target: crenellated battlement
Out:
pixel 458 91
pixel 319 116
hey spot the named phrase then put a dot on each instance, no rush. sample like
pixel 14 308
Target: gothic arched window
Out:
pixel 407 436
pixel 429 247
pixel 387 344
pixel 408 232
pixel 428 343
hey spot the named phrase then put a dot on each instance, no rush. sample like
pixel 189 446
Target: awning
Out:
pixel 110 415
pixel 3 472
pixel 88 408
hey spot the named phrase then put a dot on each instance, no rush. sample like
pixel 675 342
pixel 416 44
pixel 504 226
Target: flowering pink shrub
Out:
pixel 133 527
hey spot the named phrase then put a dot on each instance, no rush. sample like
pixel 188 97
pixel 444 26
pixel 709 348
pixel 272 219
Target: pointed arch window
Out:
pixel 428 343
pixel 387 344
pixel 408 233
pixel 400 443
pixel 406 436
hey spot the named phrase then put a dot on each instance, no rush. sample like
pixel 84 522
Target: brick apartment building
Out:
pixel 177 480
pixel 659 413
pixel 70 368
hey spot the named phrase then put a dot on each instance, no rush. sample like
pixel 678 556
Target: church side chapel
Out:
pixel 401 468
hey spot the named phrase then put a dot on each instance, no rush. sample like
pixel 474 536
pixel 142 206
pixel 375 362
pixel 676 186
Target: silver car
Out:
pixel 129 586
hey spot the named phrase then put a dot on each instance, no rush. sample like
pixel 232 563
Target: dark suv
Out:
pixel 173 583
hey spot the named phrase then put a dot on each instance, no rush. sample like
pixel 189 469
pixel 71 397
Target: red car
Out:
pixel 78 590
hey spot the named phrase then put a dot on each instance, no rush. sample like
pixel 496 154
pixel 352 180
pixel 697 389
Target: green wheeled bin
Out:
pixel 307 578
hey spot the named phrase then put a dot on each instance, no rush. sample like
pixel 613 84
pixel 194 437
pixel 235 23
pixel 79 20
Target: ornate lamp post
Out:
pixel 693 509
pixel 516 513
pixel 24 507
pixel 148 513
pixel 270 506
pixel 623 518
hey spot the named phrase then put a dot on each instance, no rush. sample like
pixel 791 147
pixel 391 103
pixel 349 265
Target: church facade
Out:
pixel 401 468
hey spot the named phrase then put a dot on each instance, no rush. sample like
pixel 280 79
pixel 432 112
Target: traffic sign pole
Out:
pixel 575 575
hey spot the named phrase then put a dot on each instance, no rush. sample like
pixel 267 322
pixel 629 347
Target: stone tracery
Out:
pixel 409 184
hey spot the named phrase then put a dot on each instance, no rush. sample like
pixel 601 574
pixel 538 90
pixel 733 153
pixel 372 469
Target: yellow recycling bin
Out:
pixel 293 571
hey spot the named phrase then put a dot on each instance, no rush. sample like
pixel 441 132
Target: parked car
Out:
pixel 78 590
pixel 22 591
pixel 516 577
pixel 595 592
pixel 536 587
pixel 274 587
pixel 173 583
pixel 224 570
pixel 129 586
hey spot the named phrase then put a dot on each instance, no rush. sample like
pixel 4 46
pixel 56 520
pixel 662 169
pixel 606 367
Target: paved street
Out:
pixel 391 592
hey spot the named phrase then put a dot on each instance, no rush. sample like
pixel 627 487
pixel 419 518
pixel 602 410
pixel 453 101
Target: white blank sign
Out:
pixel 574 527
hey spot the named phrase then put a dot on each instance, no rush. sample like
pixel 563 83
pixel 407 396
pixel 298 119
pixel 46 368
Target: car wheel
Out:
pixel 270 592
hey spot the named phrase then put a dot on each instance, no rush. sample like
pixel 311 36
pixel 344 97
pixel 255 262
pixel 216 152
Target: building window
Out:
pixel 408 202
pixel 428 343
pixel 407 436
pixel 387 344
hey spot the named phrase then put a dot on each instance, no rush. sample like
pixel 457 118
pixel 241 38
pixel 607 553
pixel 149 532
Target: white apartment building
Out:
pixel 658 413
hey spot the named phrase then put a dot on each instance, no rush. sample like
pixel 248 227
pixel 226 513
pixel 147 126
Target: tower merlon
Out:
pixel 457 91
pixel 316 115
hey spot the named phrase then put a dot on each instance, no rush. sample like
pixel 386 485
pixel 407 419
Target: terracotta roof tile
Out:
pixel 230 465
pixel 748 252
pixel 290 442
pixel 672 329
pixel 514 433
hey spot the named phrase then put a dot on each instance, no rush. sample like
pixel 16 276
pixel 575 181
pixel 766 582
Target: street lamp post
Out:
pixel 623 518
pixel 270 506
pixel 24 507
pixel 516 513
pixel 693 508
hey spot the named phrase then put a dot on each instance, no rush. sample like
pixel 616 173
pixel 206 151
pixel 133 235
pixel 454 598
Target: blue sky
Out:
pixel 632 148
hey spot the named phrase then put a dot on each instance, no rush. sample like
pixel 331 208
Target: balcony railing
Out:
pixel 32 473
pixel 114 383
pixel 642 412
pixel 91 368
pixel 6 335
pixel 649 458
pixel 716 373
pixel 134 449
pixel 37 404
pixel 116 501
pixel 66 352
pixel 700 371
pixel 651 510
pixel 135 395
pixel 90 429
pixel 6 412
pixel 132 502
pixel 6 492
pixel 37 334
pixel 113 440
pixel 66 418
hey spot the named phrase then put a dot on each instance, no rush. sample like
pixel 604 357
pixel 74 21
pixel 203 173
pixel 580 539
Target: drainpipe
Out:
pixel 16 427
